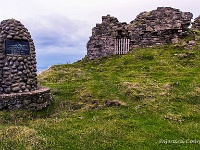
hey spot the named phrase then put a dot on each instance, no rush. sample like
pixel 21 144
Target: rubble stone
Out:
pixel 196 23
pixel 161 26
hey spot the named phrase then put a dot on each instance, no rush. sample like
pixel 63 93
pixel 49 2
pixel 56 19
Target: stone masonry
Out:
pixel 18 73
pixel 161 26
pixel 101 42
pixel 196 23
pixel 33 100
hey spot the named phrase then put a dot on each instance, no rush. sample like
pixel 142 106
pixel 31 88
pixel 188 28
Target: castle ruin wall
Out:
pixel 161 26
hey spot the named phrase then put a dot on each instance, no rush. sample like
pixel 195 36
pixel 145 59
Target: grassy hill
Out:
pixel 146 99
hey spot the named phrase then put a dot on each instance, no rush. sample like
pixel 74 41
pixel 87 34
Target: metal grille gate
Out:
pixel 121 46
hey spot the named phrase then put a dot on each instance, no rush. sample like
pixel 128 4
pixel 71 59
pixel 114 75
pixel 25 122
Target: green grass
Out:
pixel 158 90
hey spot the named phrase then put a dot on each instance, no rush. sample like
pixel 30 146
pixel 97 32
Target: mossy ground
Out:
pixel 157 104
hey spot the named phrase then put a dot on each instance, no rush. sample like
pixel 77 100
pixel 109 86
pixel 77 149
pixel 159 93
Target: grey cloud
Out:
pixel 59 32
pixel 58 39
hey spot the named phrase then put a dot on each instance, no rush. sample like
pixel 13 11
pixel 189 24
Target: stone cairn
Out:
pixel 196 23
pixel 161 26
pixel 18 73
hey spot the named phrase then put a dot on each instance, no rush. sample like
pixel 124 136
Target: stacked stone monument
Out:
pixel 18 73
pixel 161 26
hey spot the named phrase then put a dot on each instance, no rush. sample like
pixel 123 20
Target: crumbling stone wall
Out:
pixel 196 23
pixel 160 26
pixel 101 42
pixel 17 72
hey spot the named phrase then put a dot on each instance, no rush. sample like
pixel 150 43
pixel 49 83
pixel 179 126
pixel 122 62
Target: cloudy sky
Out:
pixel 61 28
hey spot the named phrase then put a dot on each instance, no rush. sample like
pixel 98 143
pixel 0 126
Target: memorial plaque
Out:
pixel 17 47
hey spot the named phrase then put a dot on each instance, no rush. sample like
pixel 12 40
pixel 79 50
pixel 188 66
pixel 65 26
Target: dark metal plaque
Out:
pixel 17 47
